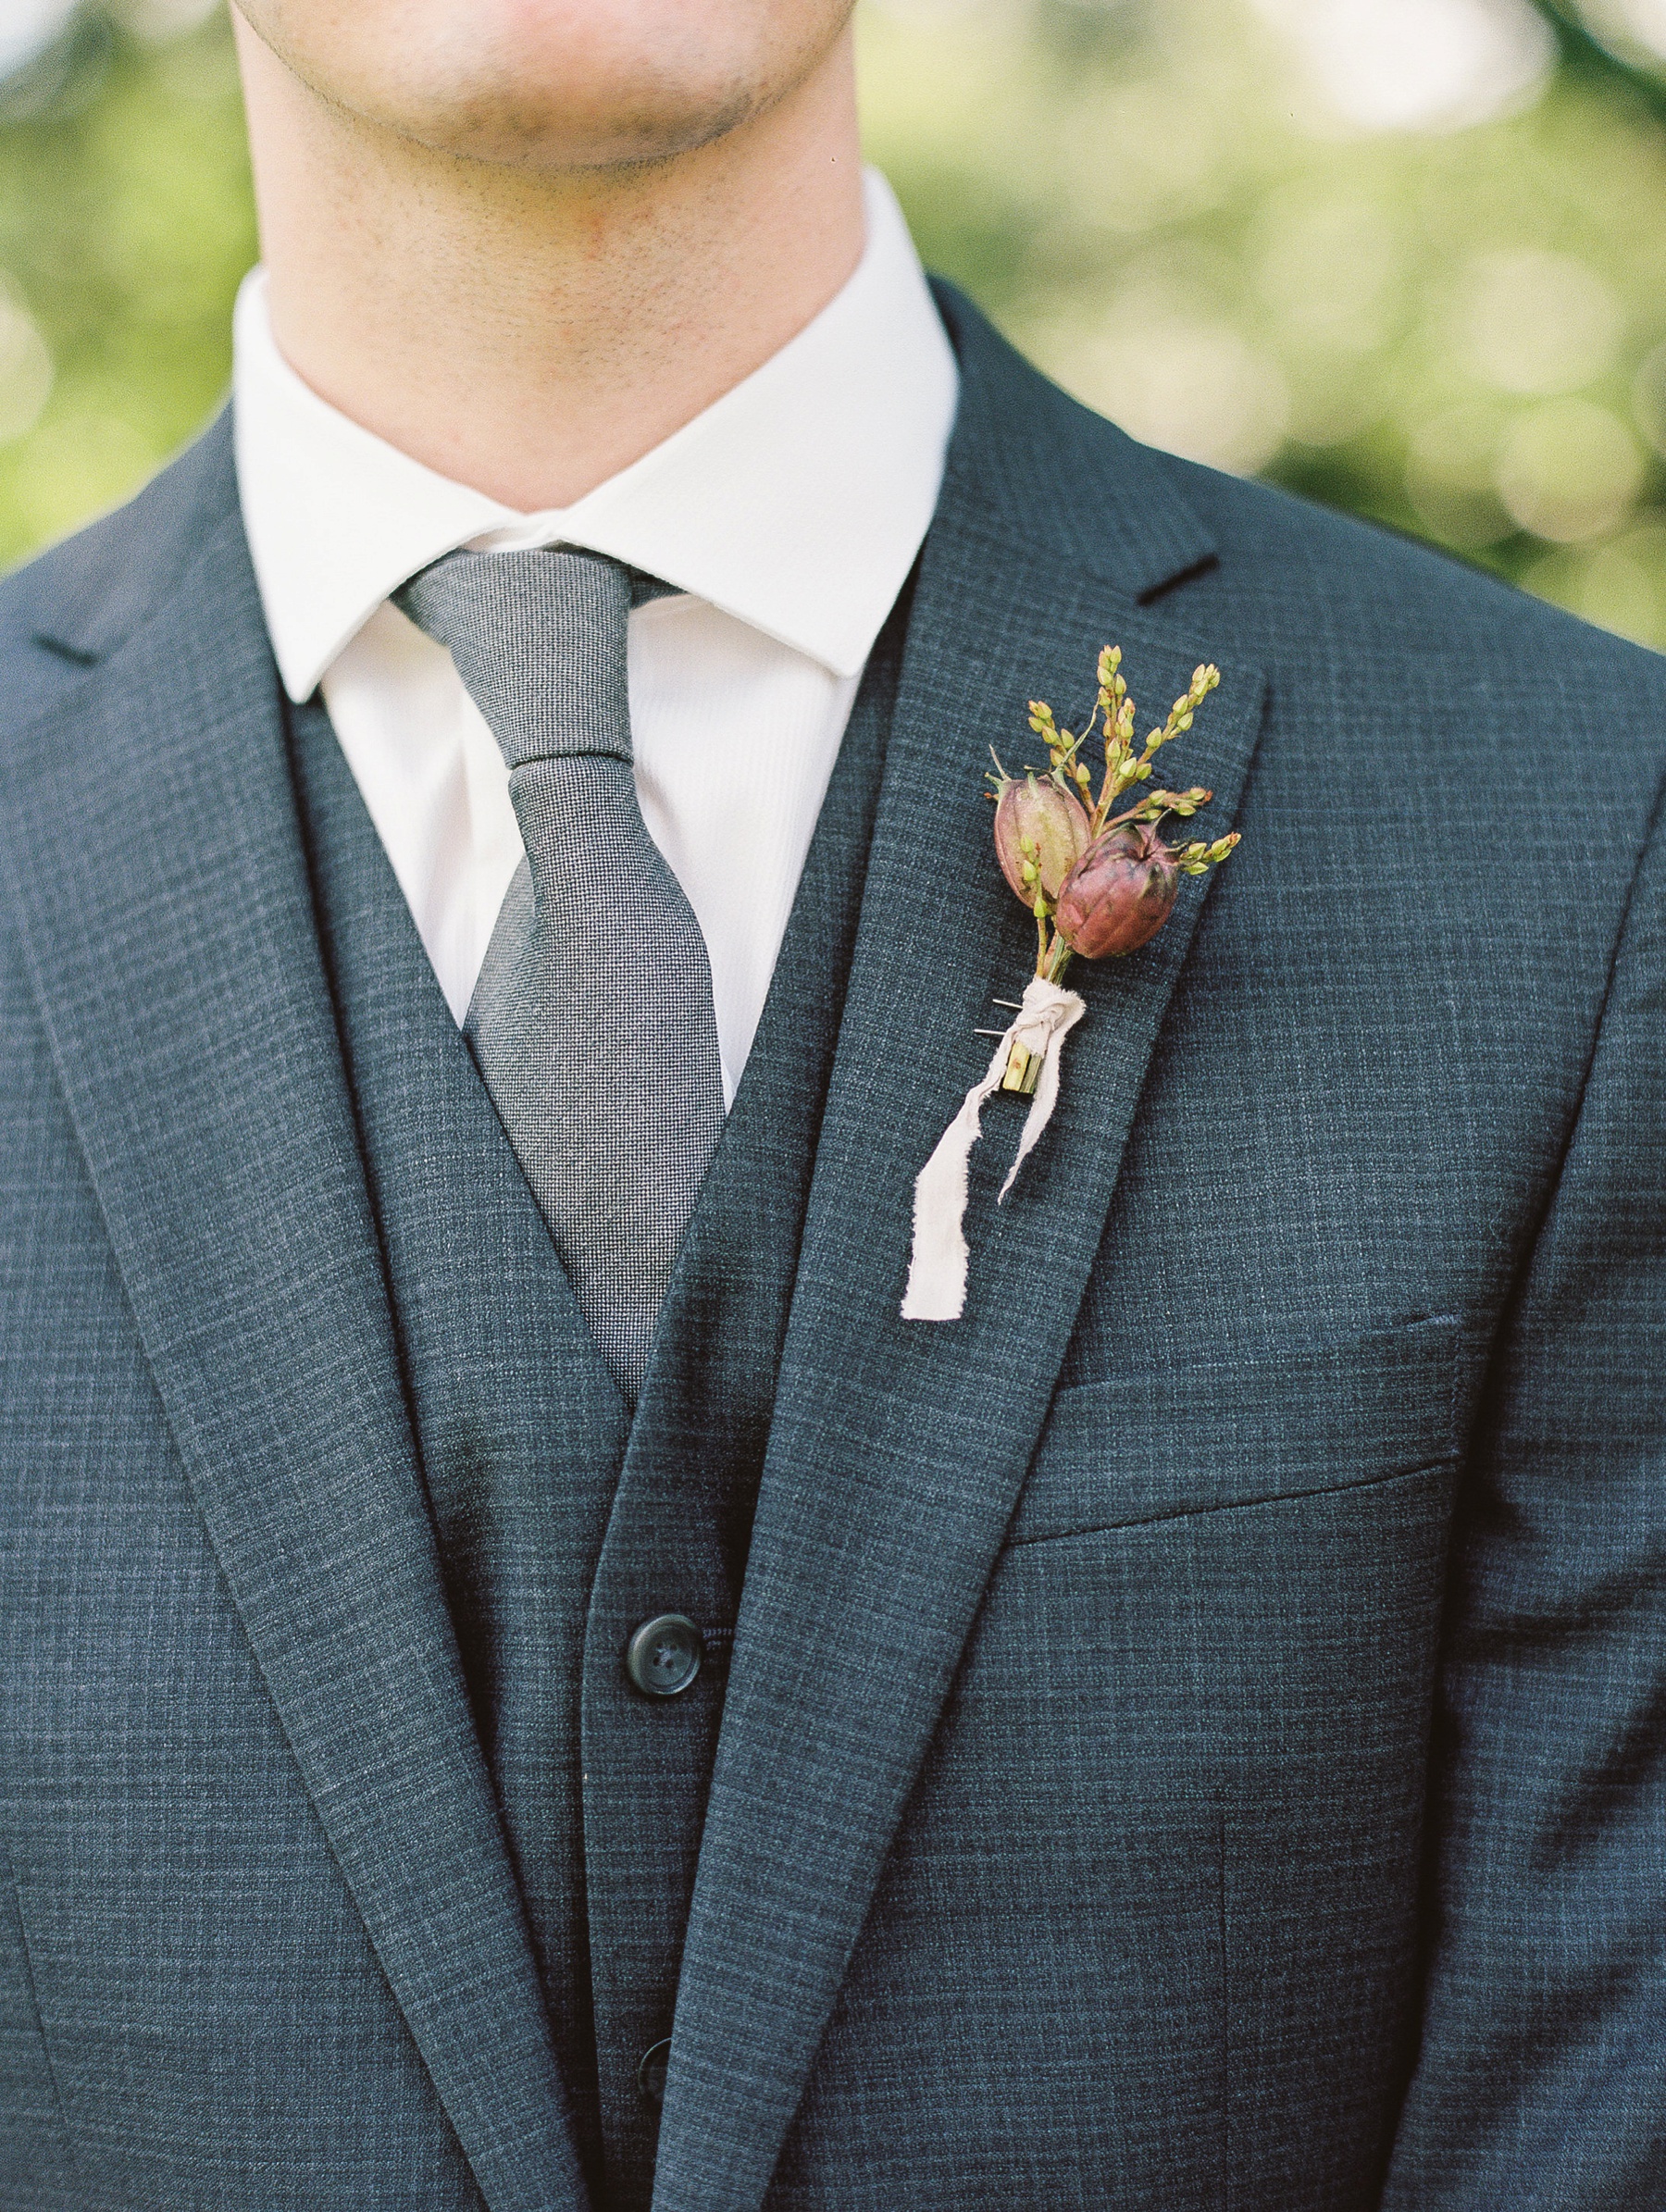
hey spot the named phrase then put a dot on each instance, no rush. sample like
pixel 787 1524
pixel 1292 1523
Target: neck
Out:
pixel 528 333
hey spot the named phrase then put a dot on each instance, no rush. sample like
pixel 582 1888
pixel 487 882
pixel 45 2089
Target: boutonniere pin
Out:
pixel 1101 883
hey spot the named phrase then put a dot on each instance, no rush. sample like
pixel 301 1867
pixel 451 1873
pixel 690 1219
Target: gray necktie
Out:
pixel 591 1022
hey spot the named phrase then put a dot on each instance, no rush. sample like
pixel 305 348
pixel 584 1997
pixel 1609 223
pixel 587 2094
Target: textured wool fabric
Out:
pixel 1191 1735
pixel 265 1922
pixel 592 1019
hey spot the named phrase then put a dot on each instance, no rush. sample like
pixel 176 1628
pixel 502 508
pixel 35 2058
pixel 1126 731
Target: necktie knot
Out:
pixel 539 637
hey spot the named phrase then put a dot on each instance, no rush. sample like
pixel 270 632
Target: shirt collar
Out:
pixel 797 501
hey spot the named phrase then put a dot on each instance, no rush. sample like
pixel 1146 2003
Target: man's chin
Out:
pixel 519 128
pixel 549 89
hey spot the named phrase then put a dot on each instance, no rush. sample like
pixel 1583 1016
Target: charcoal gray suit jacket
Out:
pixel 1197 1735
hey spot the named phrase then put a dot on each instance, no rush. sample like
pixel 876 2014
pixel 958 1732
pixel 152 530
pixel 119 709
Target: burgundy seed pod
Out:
pixel 1118 895
pixel 1056 825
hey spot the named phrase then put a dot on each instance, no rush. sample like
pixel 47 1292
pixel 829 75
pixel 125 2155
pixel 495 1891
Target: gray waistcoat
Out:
pixel 563 1524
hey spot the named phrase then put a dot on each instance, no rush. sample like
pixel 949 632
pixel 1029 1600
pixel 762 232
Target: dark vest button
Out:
pixel 663 1656
pixel 651 2071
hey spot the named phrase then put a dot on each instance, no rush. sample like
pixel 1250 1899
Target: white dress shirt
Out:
pixel 789 513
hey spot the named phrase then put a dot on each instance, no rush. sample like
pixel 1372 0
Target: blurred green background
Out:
pixel 1407 257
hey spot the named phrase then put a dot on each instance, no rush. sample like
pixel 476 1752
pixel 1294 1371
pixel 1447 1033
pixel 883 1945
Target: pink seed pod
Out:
pixel 1119 894
pixel 1056 827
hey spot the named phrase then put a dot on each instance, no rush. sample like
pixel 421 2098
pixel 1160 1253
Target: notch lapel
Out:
pixel 169 923
pixel 898 1449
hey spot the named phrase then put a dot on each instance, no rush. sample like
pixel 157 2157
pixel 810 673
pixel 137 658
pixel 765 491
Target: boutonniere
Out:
pixel 1101 883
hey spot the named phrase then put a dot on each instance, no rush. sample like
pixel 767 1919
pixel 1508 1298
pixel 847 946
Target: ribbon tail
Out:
pixel 937 1268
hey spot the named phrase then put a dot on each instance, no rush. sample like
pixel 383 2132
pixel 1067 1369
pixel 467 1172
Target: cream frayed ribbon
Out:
pixel 937 1271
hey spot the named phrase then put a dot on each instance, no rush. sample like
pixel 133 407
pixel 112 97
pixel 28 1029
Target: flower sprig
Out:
pixel 1099 881
pixel 1124 767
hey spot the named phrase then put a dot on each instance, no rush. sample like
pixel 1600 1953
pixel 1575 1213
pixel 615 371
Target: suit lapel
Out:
pixel 897 1449
pixel 169 926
